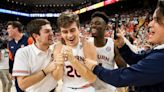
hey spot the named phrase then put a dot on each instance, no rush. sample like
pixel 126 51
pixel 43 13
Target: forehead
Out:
pixel 9 26
pixel 71 26
pixel 94 19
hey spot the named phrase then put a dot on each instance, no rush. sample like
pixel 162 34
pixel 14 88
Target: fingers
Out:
pixel 50 67
pixel 67 52
pixel 58 63
pixel 59 59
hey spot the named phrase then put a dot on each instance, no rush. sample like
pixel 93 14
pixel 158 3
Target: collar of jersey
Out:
pixel 38 51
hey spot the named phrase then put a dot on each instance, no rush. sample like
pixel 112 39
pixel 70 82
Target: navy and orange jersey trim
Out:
pixel 30 40
pixel 13 46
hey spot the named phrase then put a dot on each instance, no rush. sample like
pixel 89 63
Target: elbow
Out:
pixel 22 85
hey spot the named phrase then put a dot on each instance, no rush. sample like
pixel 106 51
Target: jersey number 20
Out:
pixel 72 72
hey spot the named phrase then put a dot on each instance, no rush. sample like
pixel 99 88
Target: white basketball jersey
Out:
pixel 71 77
pixel 105 54
pixel 105 57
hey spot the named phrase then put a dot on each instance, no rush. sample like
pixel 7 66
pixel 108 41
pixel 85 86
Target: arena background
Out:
pixel 58 6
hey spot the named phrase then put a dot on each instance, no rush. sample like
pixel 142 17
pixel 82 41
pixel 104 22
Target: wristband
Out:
pixel 43 72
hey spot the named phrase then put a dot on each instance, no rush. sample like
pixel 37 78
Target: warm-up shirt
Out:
pixel 13 46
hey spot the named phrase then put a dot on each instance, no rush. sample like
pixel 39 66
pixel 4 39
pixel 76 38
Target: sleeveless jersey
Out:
pixel 105 58
pixel 71 77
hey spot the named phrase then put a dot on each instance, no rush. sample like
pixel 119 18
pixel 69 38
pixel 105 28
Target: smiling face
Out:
pixel 70 34
pixel 156 29
pixel 98 27
pixel 45 36
pixel 11 31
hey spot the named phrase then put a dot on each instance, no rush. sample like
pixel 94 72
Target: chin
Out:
pixel 93 35
pixel 73 45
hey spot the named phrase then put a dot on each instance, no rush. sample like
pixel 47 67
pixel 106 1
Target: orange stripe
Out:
pixel 11 55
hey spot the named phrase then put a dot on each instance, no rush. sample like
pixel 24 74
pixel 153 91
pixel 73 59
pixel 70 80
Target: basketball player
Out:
pixel 76 77
pixel 106 56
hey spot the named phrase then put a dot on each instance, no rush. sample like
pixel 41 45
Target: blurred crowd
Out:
pixel 133 24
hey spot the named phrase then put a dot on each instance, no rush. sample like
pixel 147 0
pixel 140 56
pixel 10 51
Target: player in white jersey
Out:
pixel 104 47
pixel 76 77
pixel 33 64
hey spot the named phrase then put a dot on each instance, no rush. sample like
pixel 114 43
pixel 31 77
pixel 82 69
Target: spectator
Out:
pixel 15 29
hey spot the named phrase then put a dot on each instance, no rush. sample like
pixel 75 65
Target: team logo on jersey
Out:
pixel 108 49
pixel 22 45
pixel 12 47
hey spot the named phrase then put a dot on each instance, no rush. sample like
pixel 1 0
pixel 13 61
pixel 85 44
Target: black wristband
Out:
pixel 43 72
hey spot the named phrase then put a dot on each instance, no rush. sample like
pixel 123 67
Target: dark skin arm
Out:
pixel 118 58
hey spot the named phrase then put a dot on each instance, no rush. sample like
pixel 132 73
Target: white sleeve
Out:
pixel 21 65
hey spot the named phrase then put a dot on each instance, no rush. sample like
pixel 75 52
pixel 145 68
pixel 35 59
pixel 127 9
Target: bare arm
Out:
pixel 81 68
pixel 27 81
pixel 118 58
pixel 58 72
pixel 58 57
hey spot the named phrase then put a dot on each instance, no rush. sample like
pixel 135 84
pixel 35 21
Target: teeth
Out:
pixel 94 30
pixel 71 39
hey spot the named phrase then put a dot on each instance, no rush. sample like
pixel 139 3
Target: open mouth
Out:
pixel 50 39
pixel 93 31
pixel 71 40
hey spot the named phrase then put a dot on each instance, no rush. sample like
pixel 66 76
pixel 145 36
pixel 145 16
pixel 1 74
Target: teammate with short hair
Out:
pixel 106 55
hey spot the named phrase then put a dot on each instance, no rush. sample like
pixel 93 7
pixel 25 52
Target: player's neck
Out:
pixel 100 41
